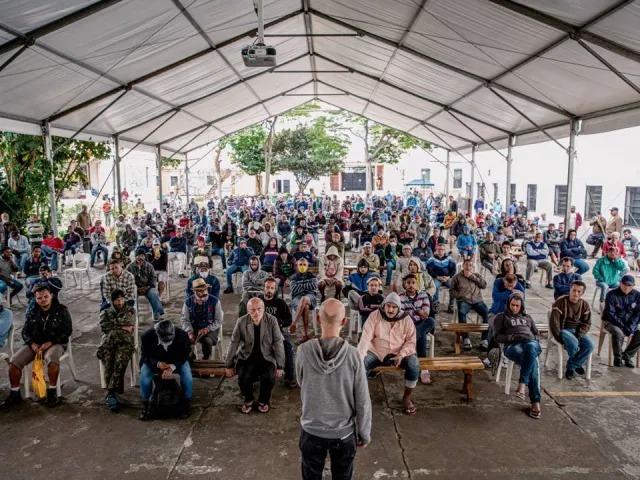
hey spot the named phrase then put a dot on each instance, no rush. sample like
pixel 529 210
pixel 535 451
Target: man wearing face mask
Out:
pixel 204 273
pixel 165 351
pixel 276 306
pixel 202 317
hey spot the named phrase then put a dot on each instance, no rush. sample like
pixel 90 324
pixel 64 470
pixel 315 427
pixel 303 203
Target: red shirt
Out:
pixel 54 243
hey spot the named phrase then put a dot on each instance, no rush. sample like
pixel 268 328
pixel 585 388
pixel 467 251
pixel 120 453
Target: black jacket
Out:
pixel 152 352
pixel 51 326
pixel 279 309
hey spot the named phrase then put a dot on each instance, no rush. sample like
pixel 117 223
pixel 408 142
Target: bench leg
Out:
pixel 467 386
pixel 457 346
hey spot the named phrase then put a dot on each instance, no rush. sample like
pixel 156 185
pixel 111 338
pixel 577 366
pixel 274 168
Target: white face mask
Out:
pixel 204 274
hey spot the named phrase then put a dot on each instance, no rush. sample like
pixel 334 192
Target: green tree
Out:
pixel 309 152
pixel 25 171
pixel 382 144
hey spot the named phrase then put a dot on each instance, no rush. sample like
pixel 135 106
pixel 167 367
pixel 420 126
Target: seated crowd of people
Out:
pixel 291 257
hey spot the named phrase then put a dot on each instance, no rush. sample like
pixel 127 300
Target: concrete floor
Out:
pixel 586 435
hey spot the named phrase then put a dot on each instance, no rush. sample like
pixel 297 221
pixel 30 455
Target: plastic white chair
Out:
pixel 133 363
pixel 81 265
pixel 554 343
pixel 601 339
pixel 67 356
pixel 218 352
pixel 508 364
pixel 595 295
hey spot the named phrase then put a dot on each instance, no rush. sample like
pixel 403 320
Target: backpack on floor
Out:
pixel 166 399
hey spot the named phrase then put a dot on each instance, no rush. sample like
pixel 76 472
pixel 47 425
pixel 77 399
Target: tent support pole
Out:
pixel 572 154
pixel 446 180
pixel 472 196
pixel 186 176
pixel 159 165
pixel 509 162
pixel 116 147
pixel 46 133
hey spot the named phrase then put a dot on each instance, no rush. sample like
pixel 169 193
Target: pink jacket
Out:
pixel 381 337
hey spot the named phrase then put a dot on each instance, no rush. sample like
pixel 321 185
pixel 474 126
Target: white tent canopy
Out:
pixel 453 72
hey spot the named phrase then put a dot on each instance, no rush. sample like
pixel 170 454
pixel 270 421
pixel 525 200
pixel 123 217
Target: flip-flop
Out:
pixel 536 414
pixel 521 395
pixel 411 410
pixel 263 407
pixel 246 408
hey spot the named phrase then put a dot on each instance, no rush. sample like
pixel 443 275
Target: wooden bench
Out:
pixel 461 329
pixel 207 368
pixel 448 364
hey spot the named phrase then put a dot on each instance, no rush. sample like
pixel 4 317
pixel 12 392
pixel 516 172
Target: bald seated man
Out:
pixel 336 407
pixel 256 353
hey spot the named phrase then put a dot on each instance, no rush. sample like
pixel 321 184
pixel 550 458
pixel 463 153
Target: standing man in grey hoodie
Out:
pixel 336 407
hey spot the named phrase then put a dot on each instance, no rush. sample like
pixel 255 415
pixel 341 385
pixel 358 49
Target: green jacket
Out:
pixel 609 272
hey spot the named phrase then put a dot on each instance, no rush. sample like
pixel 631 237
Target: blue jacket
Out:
pixel 500 295
pixel 178 244
pixel 240 256
pixel 441 267
pixel 562 283
pixel 537 251
pixel 202 317
pixel 622 310
pixel 358 281
pixel 572 249
pixel 466 244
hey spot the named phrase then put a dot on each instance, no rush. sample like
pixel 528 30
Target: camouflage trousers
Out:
pixel 115 357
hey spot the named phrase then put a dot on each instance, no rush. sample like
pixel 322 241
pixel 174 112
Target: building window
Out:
pixel 174 181
pixel 512 197
pixel 560 202
pixel 426 174
pixel 457 178
pixel 532 193
pixel 593 200
pixel 495 192
pixel 632 207
pixel 283 186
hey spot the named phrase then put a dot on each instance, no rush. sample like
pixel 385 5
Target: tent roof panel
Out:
pixel 569 76
pixel 622 26
pixel 436 137
pixel 179 122
pixel 404 102
pixel 130 38
pixel 27 15
pixel 55 82
pixel 448 122
pixel 479 37
pixel 576 12
pixel 222 103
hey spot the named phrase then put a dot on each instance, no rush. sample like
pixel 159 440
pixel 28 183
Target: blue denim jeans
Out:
pixel 439 284
pixel 146 381
pixel 6 320
pixel 14 285
pixel 480 308
pixel 94 254
pixel 220 252
pixel 581 265
pixel 578 350
pixel 604 288
pixel 154 300
pixel 231 269
pixel 410 364
pixel 391 266
pixel 526 354
pixel 423 328
pixel 52 256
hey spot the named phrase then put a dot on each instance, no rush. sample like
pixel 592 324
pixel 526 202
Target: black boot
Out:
pixel 145 412
pixel 186 409
pixel 13 399
pixel 52 398
pixel 627 361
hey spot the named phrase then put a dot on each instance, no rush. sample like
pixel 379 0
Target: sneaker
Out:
pixel 484 345
pixel 145 412
pixel 466 344
pixel 628 362
pixel 569 374
pixel 494 358
pixel 580 371
pixel 111 401
pixel 450 309
pixel 53 400
pixel 186 410
pixel 228 290
pixel 617 362
pixel 13 399
pixel 548 285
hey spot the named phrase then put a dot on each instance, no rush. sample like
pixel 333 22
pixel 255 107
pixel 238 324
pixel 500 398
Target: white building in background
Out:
pixel 607 174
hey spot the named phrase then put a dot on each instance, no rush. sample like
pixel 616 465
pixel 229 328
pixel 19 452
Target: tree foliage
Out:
pixel 247 148
pixel 309 152
pixel 25 171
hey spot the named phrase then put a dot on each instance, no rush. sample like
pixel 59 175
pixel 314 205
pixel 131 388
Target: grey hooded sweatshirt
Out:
pixel 333 389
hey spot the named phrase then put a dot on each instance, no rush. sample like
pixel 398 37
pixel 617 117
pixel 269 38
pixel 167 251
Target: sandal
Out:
pixel 521 395
pixel 537 414
pixel 410 410
pixel 263 407
pixel 246 408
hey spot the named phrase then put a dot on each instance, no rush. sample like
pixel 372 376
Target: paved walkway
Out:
pixel 589 429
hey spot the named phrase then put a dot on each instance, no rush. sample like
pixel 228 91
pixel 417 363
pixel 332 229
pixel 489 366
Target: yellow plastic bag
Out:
pixel 38 383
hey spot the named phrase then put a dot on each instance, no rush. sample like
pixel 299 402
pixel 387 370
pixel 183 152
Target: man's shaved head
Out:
pixel 332 317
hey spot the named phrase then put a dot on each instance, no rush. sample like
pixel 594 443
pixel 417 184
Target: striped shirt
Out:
pixel 413 306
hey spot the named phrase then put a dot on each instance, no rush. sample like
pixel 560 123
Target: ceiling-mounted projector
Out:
pixel 258 54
